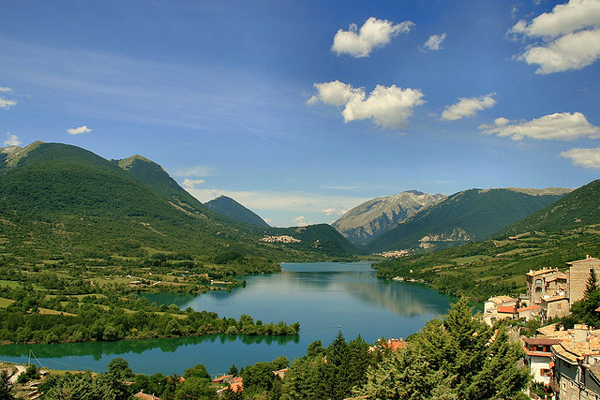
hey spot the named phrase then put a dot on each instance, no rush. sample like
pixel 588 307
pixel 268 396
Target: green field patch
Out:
pixel 469 260
pixel 10 284
pixel 47 311
pixel 5 302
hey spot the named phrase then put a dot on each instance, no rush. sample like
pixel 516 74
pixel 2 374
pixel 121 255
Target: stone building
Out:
pixel 579 273
pixel 576 369
pixel 545 283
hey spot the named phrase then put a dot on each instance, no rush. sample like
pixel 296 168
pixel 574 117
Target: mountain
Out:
pixel 564 231
pixel 578 209
pixel 158 180
pixel 470 215
pixel 374 217
pixel 61 202
pixel 231 208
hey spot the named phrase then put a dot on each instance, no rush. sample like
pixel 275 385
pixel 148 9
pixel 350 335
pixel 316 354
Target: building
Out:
pixel 538 356
pixel 579 273
pixel 530 312
pixel 576 372
pixel 555 307
pixel 545 283
pixel 498 308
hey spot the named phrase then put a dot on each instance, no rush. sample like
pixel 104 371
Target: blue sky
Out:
pixel 301 110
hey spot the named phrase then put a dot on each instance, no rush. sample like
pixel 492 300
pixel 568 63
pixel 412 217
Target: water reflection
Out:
pixel 99 350
pixel 323 297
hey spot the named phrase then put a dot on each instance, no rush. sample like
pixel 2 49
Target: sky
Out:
pixel 302 110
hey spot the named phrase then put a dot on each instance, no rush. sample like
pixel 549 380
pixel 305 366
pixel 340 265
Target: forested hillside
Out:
pixel 564 231
pixel 470 215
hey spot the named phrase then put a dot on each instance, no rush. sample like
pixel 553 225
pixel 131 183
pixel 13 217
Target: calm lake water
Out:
pixel 324 297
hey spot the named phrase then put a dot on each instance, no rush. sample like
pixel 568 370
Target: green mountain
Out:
pixel 61 202
pixel 577 209
pixel 566 230
pixel 470 215
pixel 158 180
pixel 231 208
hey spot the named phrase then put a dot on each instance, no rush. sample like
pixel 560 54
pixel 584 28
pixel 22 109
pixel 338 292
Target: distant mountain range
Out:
pixel 564 231
pixel 62 202
pixel 227 206
pixel 370 219
pixel 432 222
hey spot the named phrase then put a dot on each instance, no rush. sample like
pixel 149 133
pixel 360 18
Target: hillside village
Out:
pixel 565 362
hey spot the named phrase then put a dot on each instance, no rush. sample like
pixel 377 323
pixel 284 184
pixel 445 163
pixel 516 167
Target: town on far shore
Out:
pixel 564 363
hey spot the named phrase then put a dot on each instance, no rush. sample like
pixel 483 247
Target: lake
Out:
pixel 324 297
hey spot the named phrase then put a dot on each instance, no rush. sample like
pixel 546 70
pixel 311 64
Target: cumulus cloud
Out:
pixel 7 104
pixel 79 131
pixel 558 126
pixel 573 51
pixel 191 183
pixel 468 107
pixel 5 89
pixel 374 33
pixel 587 158
pixel 388 107
pixel 333 211
pixel 570 37
pixel 300 221
pixel 434 42
pixel 564 18
pixel 12 140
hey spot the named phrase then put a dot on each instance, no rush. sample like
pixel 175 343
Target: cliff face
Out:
pixel 374 217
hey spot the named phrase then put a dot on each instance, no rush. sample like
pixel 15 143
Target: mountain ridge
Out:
pixel 370 219
pixel 473 214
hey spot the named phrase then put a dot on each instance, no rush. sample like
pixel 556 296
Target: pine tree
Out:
pixel 591 285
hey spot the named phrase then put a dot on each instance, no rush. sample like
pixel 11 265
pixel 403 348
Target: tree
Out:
pixel 197 371
pixel 195 388
pixel 5 387
pixel 458 357
pixel 591 285
pixel 119 369
pixel 233 370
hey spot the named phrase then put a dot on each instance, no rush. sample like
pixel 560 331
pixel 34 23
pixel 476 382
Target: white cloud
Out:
pixel 300 221
pixel 336 93
pixel 587 158
pixel 434 42
pixel 558 126
pixel 573 51
pixel 5 89
pixel 468 107
pixel 191 183
pixel 388 107
pixel 374 33
pixel 12 140
pixel 79 131
pixel 564 18
pixel 7 104
pixel 333 211
pixel 570 36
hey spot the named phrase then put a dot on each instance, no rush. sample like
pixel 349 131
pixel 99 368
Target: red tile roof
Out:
pixel 505 309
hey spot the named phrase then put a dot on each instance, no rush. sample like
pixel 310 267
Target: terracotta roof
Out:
pixel 506 309
pixel 501 299
pixel 530 308
pixel 555 298
pixel 541 272
pixel 541 341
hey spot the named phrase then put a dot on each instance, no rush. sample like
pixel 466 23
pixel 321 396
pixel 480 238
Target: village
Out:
pixel 565 362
